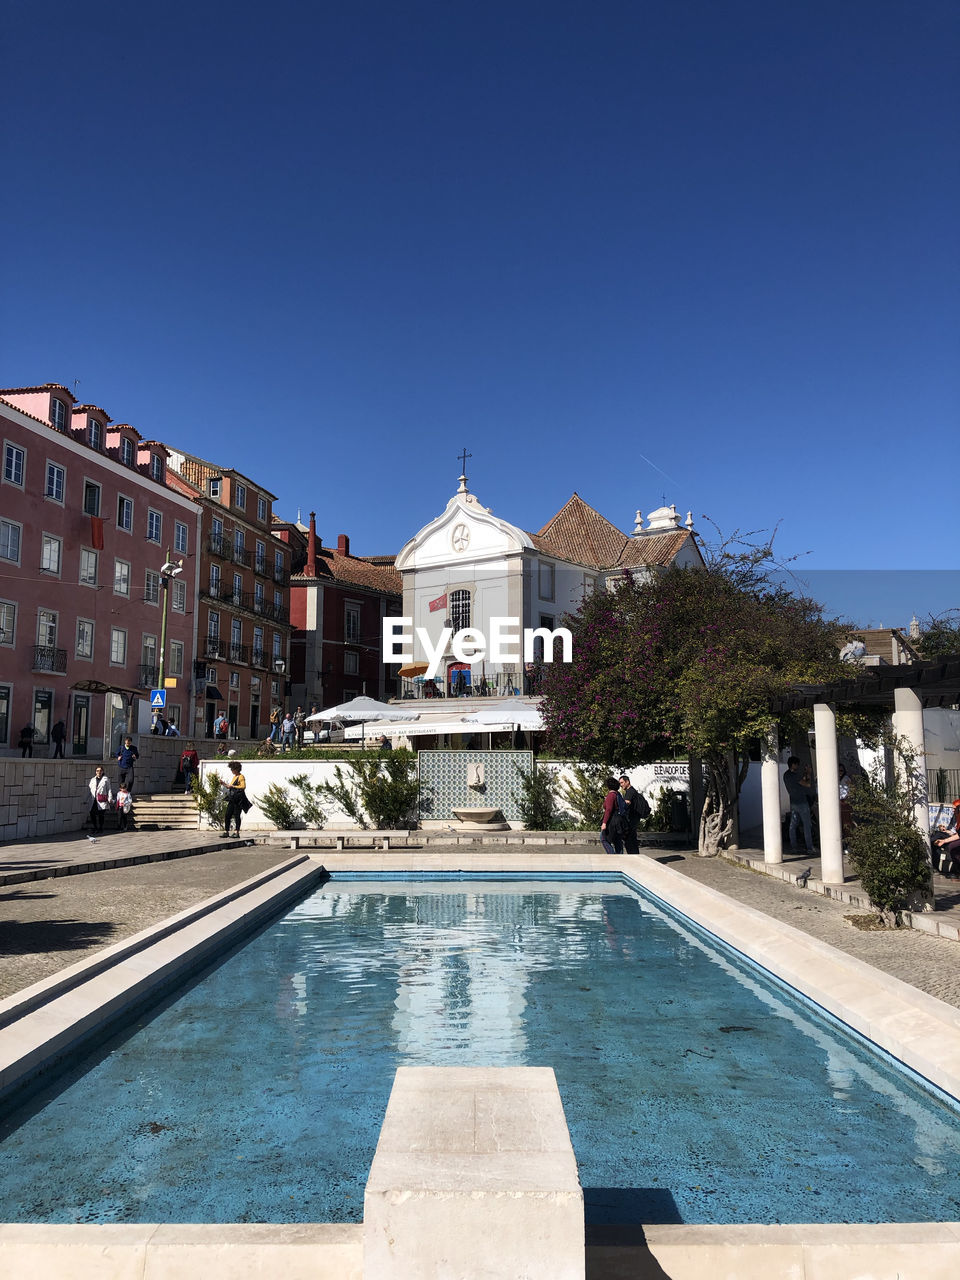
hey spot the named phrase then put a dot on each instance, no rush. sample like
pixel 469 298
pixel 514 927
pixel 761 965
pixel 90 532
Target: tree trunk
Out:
pixel 719 808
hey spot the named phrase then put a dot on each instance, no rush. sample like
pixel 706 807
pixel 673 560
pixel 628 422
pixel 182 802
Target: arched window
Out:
pixel 459 610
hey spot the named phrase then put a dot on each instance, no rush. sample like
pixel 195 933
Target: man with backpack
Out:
pixel 638 810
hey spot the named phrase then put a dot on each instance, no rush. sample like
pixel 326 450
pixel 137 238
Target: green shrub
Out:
pixel 207 792
pixel 311 815
pixel 539 809
pixel 889 852
pixel 278 805
pixel 383 788
pixel 584 795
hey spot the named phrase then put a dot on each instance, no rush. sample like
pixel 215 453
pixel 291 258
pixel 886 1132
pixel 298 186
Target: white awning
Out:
pixel 419 728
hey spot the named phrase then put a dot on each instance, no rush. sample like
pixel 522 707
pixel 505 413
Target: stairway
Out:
pixel 165 811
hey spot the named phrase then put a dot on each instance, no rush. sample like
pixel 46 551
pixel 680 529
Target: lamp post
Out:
pixel 169 570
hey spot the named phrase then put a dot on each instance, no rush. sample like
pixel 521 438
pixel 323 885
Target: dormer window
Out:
pixel 95 434
pixel 156 467
pixel 213 487
pixel 58 414
pixel 126 451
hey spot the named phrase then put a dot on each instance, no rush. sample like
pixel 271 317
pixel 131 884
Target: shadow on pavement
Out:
pixel 20 938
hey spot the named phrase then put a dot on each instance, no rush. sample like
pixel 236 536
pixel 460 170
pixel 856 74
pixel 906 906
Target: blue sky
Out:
pixel 686 248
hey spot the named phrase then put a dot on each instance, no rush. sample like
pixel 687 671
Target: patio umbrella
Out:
pixel 414 669
pixel 364 709
pixel 512 712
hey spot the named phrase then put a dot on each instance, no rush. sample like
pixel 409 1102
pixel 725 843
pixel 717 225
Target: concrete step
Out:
pixel 170 810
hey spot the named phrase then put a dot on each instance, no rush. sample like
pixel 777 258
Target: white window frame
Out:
pixel 151 587
pixel 351 662
pixel 50 642
pixel 156 467
pixel 240 497
pixel 263 508
pixel 59 472
pixel 260 557
pixel 58 414
pixel 50 541
pixel 213 625
pixel 123 577
pixel 8 623
pixel 128 451
pixel 216 580
pixel 351 634
pixel 125 507
pixel 176 658
pixel 214 486
pixel 11 452
pixel 277 646
pixel 180 536
pixel 86 580
pixel 7 528
pixel 95 434
pixel 178 602
pixel 79 651
pixel 154 526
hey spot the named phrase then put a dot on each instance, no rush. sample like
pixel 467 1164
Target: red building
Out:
pixel 337 605
pixel 86 524
pixel 244 598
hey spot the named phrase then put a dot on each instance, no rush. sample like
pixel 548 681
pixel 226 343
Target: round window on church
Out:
pixel 460 538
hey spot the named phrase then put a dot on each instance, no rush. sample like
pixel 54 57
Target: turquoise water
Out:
pixel 695 1090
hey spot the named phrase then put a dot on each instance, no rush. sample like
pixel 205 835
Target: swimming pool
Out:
pixel 695 1088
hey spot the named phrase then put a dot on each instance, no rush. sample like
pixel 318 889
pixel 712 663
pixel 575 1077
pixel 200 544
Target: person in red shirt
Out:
pixel 189 764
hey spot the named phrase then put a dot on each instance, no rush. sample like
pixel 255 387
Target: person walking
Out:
pixel 276 717
pixel 299 723
pixel 26 741
pixel 237 802
pixel 189 765
pixel 58 736
pixel 614 821
pixel 127 757
pixel 101 797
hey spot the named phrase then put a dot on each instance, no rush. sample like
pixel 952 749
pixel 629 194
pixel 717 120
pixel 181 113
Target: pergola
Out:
pixel 903 690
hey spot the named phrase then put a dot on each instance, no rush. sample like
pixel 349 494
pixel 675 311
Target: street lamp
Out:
pixel 170 570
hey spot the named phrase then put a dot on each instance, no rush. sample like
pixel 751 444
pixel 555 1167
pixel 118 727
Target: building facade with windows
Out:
pixel 243 645
pixel 337 605
pixel 87 522
pixel 468 567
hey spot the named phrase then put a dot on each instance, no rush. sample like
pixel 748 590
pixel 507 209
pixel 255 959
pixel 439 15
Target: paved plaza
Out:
pixel 49 923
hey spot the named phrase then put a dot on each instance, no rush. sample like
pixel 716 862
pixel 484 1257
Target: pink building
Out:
pixel 86 522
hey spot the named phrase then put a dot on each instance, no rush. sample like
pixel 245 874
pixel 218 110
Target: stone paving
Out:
pixel 49 923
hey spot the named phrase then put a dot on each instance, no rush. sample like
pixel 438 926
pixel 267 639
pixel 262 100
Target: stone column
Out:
pixel 770 799
pixel 908 724
pixel 828 791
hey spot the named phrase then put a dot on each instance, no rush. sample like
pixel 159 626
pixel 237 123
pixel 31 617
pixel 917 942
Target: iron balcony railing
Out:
pixel 47 658
pixel 242 556
pixel 219 547
pixel 281 577
pixel 147 676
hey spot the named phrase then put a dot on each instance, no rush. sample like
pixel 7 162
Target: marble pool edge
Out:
pixel 915 1028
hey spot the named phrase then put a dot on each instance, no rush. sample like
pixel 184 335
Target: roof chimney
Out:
pixel 311 567
pixel 343 545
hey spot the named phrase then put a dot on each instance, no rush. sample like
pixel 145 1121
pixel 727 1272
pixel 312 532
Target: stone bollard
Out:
pixel 474 1178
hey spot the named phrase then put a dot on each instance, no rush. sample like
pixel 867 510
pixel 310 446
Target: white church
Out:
pixel 469 567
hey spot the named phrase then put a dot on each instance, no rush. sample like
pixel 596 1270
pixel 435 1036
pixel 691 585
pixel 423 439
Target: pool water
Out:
pixel 695 1089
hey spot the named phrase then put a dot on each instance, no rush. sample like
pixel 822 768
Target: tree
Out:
pixel 940 637
pixel 689 660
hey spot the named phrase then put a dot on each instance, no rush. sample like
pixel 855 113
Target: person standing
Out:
pixel 299 723
pixel 637 809
pixel 26 741
pixel 800 792
pixel 237 802
pixel 287 731
pixel 612 823
pixel 189 765
pixel 220 726
pixel 58 736
pixel 127 757
pixel 124 806
pixel 101 797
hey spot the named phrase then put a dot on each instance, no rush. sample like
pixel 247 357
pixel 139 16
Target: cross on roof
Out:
pixel 463 461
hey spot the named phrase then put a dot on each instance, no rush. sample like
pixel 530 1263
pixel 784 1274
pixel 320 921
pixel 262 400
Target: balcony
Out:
pixel 270 611
pixel 214 647
pixel 258 658
pixel 47 658
pixel 219 547
pixel 240 555
pixel 261 566
pixel 147 676
pixel 281 577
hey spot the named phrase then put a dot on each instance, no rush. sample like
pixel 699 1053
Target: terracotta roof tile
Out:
pixel 654 548
pixel 579 533
pixel 356 571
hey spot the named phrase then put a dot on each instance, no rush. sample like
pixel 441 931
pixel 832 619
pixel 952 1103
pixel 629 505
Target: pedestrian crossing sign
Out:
pixel 158 698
